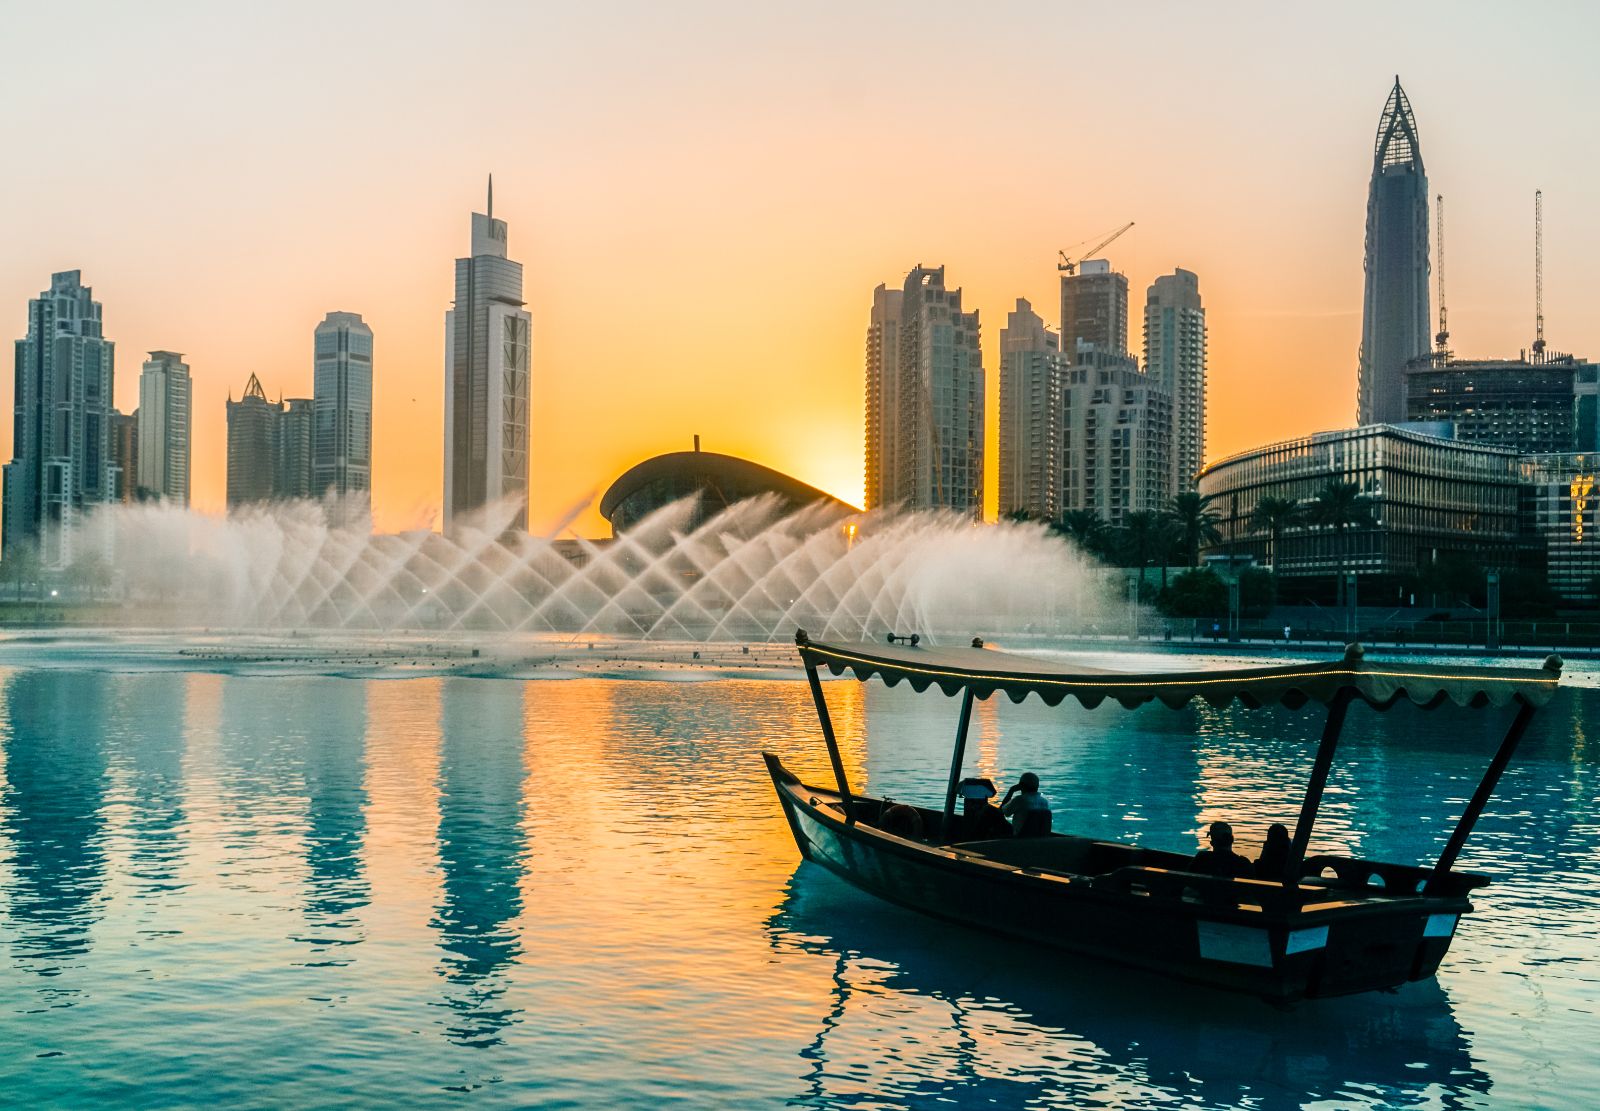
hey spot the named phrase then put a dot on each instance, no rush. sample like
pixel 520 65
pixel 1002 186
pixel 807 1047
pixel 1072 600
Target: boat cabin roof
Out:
pixel 1380 684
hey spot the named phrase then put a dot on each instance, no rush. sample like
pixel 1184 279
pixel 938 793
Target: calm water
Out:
pixel 462 892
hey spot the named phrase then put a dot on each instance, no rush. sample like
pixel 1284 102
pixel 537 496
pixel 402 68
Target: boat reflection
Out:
pixel 925 1011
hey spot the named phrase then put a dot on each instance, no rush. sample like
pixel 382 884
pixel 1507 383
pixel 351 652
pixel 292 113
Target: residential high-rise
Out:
pixel 1175 356
pixel 252 445
pixel 164 425
pixel 486 397
pixel 269 447
pixel 1394 318
pixel 125 455
pixel 296 451
pixel 939 443
pixel 1094 310
pixel 61 447
pixel 1032 375
pixel 342 450
pixel 1116 438
pixel 883 411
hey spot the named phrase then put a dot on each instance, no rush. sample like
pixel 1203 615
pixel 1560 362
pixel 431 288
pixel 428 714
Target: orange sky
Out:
pixel 704 196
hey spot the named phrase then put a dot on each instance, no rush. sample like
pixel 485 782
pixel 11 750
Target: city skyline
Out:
pixel 646 286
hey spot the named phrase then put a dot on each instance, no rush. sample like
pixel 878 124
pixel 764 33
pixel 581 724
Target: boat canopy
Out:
pixel 1380 684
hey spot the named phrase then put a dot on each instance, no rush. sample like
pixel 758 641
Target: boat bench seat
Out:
pixel 1079 856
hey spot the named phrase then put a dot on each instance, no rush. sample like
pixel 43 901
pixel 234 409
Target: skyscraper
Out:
pixel 1031 380
pixel 61 451
pixel 487 337
pixel 1094 310
pixel 1116 436
pixel 295 444
pixel 342 450
pixel 252 446
pixel 1175 356
pixel 883 411
pixel 1394 317
pixel 164 424
pixel 939 403
pixel 125 455
pixel 269 447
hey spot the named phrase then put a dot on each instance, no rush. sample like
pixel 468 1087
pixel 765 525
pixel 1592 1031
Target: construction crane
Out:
pixel 1441 341
pixel 1070 265
pixel 1538 272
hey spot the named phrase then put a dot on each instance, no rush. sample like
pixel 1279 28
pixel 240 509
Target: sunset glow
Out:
pixel 704 200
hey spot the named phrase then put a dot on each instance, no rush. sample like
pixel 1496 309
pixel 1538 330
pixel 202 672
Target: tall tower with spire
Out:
pixel 1394 318
pixel 487 338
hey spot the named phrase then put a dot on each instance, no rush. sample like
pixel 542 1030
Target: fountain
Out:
pixel 749 572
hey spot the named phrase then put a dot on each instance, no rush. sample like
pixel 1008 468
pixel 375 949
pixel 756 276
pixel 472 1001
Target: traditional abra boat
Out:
pixel 1333 925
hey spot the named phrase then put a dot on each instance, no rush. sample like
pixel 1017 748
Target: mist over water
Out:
pixel 749 572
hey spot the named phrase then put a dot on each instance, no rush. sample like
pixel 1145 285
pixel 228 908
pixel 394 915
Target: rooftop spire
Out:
pixel 253 388
pixel 1397 143
pixel 490 213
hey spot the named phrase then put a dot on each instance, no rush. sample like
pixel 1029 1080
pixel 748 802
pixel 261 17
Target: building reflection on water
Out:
pixel 54 814
pixel 481 854
pixel 336 801
pixel 147 749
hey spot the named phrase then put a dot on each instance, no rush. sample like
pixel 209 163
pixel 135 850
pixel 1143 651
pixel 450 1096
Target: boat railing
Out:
pixel 1378 877
pixel 1223 892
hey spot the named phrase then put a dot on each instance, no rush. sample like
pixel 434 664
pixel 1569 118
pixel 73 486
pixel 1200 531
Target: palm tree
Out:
pixel 1196 523
pixel 1087 529
pixel 1338 506
pixel 1277 516
pixel 1142 536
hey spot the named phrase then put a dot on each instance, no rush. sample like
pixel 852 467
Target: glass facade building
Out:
pixel 1561 511
pixel 488 337
pixel 1427 496
pixel 342 399
pixel 1394 318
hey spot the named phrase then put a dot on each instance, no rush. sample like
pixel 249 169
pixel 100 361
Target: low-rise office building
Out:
pixel 1423 497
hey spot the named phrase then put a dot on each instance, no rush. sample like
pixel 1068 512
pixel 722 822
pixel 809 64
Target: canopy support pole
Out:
pixel 956 759
pixel 1480 797
pixel 826 722
pixel 1319 780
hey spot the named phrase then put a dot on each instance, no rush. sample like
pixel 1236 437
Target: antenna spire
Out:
pixel 1442 340
pixel 491 197
pixel 1538 271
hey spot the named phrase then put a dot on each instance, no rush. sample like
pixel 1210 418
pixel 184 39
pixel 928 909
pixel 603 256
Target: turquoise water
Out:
pixel 310 891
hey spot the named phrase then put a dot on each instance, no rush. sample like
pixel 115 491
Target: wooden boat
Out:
pixel 1332 925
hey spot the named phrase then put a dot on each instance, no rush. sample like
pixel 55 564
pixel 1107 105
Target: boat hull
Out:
pixel 1281 942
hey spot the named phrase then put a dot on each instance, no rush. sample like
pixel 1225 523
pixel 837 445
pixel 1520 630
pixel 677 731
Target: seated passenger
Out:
pixel 1026 807
pixel 1274 859
pixel 901 820
pixel 980 819
pixel 1220 859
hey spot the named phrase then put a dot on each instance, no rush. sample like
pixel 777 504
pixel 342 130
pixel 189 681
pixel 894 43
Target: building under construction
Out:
pixel 1537 404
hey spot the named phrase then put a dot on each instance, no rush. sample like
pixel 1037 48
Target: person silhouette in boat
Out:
pixel 1220 859
pixel 1274 859
pixel 980 819
pixel 1026 807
